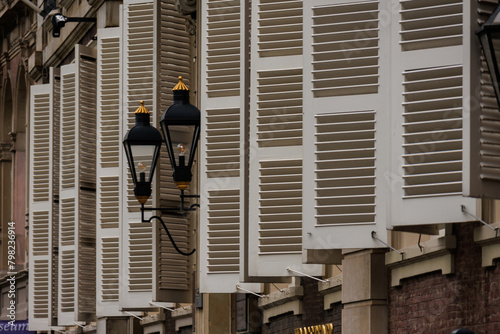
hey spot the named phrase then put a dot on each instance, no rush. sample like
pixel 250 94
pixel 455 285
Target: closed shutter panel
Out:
pixel 77 262
pixel 174 281
pixel 137 239
pixel 55 79
pixel 220 145
pixel 40 192
pixel 484 149
pixel 276 163
pixel 108 172
pixel 432 104
pixel 346 126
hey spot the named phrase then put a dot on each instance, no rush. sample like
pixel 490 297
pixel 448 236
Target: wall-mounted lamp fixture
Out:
pixel 489 37
pixel 59 21
pixel 180 125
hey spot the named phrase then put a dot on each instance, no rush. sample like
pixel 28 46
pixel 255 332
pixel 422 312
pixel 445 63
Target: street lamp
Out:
pixel 180 125
pixel 142 146
pixel 489 37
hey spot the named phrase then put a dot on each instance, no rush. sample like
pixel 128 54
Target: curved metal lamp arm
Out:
pixel 170 237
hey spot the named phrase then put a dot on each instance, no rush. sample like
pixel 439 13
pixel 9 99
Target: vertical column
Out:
pixel 5 198
pixel 215 317
pixel 364 292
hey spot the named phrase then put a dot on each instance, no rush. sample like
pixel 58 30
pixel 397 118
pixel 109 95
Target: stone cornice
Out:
pixel 433 255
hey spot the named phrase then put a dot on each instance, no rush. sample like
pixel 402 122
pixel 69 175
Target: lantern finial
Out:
pixel 142 109
pixel 180 85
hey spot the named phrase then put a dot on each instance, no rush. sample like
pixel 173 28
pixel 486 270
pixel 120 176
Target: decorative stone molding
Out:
pixel 5 151
pixel 12 136
pixel 331 291
pixel 434 255
pixel 153 323
pixel 489 240
pixel 183 317
pixel 281 302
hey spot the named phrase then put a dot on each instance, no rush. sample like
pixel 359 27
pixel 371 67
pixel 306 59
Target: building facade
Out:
pixel 347 170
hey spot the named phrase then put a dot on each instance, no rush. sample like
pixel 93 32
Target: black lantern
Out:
pixel 180 125
pixel 489 37
pixel 142 145
pixel 181 129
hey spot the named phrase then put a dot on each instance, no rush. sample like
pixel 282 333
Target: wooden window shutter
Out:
pixel 77 257
pixel 40 194
pixel 152 271
pixel 138 70
pixel 434 111
pixel 55 81
pixel 109 159
pixel 174 281
pixel 276 163
pixel 346 89
pixel 220 164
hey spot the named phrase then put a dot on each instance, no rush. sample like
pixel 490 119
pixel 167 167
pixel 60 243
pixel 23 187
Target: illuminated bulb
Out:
pixel 141 166
pixel 182 149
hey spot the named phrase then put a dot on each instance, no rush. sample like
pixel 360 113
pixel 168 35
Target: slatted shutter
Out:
pixel 346 126
pixel 108 172
pixel 150 268
pixel 482 151
pixel 174 281
pixel 219 250
pixel 55 80
pixel 77 261
pixel 433 99
pixel 138 68
pixel 40 192
pixel 276 161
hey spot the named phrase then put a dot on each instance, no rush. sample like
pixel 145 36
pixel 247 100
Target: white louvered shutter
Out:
pixel 150 269
pixel 77 256
pixel 55 81
pixel 433 97
pixel 137 250
pixel 109 155
pixel 220 145
pixel 175 278
pixel 483 173
pixel 40 193
pixel 346 124
pixel 276 161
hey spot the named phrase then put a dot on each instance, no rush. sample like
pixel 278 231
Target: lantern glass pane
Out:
pixel 143 160
pixel 490 42
pixel 182 138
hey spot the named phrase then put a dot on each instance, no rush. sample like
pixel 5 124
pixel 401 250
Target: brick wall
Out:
pixel 313 313
pixel 437 304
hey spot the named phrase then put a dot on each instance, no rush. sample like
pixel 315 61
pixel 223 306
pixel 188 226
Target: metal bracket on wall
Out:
pixel 306 275
pixel 253 293
pixel 381 241
pixel 464 210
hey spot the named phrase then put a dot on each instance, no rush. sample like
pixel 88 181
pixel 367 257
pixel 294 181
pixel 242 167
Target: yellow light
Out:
pixel 141 166
pixel 182 149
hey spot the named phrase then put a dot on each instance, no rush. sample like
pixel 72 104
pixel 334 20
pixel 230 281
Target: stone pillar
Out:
pixel 364 292
pixel 215 316
pixel 5 199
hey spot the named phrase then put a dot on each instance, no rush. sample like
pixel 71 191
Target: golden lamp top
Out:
pixel 142 109
pixel 180 85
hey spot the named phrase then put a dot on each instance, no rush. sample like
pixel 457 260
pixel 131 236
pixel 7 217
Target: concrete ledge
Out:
pixel 435 255
pixel 331 291
pixel 183 317
pixel 281 302
pixel 489 241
